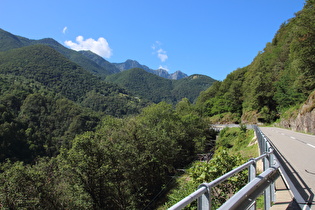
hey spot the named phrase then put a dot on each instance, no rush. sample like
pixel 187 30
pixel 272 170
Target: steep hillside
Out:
pixel 100 61
pixel 190 87
pixel 144 84
pixel 158 89
pixel 9 41
pixel 35 121
pixel 281 76
pixel 45 65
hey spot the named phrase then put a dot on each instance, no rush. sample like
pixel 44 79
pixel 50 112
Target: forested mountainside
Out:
pixel 157 89
pixel 191 86
pixel 101 68
pixel 86 59
pixel 100 61
pixel 9 41
pixel 281 76
pixel 45 65
pixel 35 121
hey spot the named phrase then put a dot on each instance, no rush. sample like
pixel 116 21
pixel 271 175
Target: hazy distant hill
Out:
pixel 130 64
pixel 156 89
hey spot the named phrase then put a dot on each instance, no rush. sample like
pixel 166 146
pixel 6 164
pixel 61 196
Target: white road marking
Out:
pixel 292 137
pixel 310 145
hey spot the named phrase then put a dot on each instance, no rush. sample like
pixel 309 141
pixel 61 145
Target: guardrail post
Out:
pixel 267 190
pixel 251 177
pixel 204 201
pixel 272 186
pixel 266 159
pixel 252 170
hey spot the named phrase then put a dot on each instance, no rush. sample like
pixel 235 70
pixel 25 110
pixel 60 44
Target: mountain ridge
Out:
pixel 10 41
pixel 130 64
pixel 104 70
pixel 155 88
pixel 87 59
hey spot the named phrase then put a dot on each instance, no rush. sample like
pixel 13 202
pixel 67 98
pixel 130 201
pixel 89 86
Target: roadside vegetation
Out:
pixel 234 147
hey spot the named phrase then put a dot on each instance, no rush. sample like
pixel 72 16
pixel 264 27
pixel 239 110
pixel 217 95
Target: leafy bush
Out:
pixel 202 172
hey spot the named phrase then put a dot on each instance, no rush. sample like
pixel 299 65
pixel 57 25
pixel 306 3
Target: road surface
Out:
pixel 299 151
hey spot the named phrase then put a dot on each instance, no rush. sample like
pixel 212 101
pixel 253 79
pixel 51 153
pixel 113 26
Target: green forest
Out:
pixel 281 76
pixel 157 89
pixel 74 134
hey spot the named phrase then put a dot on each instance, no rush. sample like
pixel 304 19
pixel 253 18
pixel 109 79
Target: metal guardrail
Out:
pixel 302 195
pixel 246 197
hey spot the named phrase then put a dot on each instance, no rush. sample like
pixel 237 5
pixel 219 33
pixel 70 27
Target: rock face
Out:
pixel 304 120
pixel 178 75
pixel 130 64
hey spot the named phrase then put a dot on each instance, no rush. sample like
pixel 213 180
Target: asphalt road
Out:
pixel 299 150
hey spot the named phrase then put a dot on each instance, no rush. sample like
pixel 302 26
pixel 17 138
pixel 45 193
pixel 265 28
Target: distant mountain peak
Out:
pixel 130 64
pixel 178 75
pixel 162 72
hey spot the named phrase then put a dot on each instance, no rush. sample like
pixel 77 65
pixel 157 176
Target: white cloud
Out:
pixel 99 46
pixel 161 54
pixel 64 29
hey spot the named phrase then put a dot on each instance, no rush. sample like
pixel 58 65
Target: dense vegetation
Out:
pixel 156 89
pixel 144 84
pixel 234 147
pixel 37 122
pixel 120 165
pixel 281 76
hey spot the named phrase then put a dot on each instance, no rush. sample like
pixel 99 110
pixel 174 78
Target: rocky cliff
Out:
pixel 303 119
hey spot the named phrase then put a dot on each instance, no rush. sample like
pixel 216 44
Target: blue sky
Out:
pixel 210 37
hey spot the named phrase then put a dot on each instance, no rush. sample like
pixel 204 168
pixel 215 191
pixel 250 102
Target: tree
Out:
pixel 221 163
pixel 303 48
pixel 31 186
pixel 87 165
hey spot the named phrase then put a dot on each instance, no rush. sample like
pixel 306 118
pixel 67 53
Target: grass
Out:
pixel 239 141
